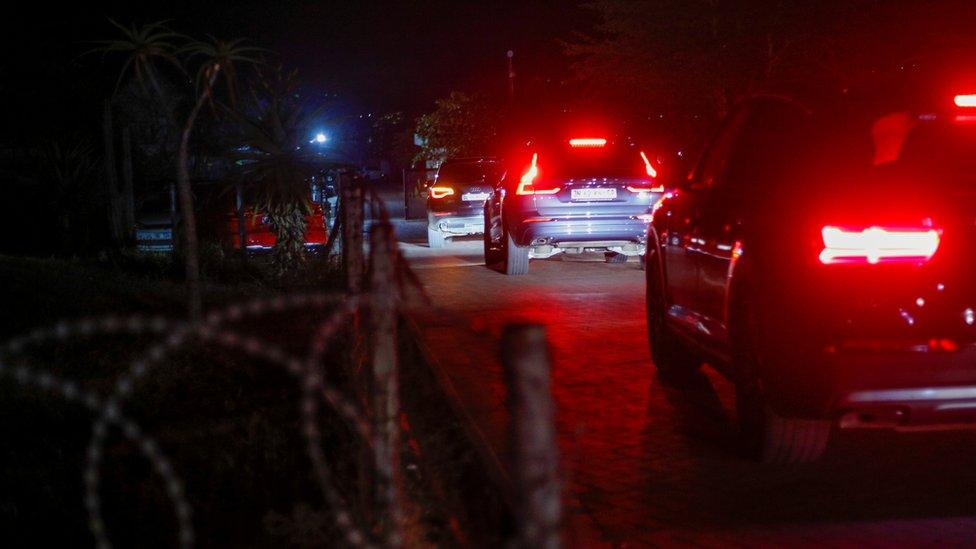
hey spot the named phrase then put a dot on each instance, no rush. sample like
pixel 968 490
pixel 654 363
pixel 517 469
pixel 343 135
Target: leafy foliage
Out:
pixel 277 164
pixel 66 171
pixel 222 56
pixel 460 125
pixel 701 55
pixel 144 48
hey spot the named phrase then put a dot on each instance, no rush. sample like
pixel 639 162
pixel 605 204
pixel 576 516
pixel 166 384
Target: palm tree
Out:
pixel 218 58
pixel 278 163
pixel 145 49
pixel 66 170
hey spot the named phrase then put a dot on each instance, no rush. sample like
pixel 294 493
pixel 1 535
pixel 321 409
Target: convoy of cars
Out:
pixel 819 255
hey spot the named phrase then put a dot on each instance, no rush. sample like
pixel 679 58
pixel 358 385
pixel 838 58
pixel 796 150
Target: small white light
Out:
pixel 920 301
pixel 321 138
pixel 969 316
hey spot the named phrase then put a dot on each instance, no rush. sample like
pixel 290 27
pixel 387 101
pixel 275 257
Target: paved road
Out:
pixel 647 463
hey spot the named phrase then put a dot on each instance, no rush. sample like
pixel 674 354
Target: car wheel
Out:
pixel 764 434
pixel 671 356
pixel 435 238
pixel 770 438
pixel 516 257
pixel 492 251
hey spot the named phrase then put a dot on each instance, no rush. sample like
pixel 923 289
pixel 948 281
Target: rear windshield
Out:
pixel 946 151
pixel 467 172
pixel 589 162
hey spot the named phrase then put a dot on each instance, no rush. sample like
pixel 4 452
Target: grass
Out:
pixel 229 424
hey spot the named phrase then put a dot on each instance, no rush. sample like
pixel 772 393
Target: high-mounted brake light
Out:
pixel 651 172
pixel 525 183
pixel 965 100
pixel 877 245
pixel 441 192
pixel 588 142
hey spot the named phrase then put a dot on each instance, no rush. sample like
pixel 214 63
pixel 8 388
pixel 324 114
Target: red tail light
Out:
pixel 878 245
pixel 441 192
pixel 651 172
pixel 588 142
pixel 647 187
pixel 966 100
pixel 526 186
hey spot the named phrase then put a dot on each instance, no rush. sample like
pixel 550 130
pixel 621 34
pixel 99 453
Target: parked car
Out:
pixel 823 261
pixel 154 224
pixel 571 195
pixel 260 236
pixel 456 199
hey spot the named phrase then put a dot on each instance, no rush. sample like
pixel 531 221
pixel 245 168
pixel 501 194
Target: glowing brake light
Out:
pixel 965 100
pixel 588 142
pixel 525 186
pixel 651 172
pixel 638 189
pixel 441 192
pixel 876 245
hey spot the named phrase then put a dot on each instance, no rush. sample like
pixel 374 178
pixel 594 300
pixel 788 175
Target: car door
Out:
pixel 682 242
pixel 750 164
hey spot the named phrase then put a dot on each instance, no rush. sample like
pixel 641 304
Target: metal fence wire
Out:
pixel 390 278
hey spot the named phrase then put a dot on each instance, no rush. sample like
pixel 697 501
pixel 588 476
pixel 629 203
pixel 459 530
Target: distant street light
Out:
pixel 320 138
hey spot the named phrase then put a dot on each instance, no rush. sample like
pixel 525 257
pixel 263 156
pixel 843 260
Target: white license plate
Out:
pixel 594 194
pixel 154 235
pixel 472 197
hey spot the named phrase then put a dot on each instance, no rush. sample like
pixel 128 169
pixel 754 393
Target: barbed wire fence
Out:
pixel 374 292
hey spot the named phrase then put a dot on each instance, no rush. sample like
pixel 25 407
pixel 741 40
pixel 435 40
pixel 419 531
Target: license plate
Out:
pixel 473 197
pixel 165 234
pixel 594 194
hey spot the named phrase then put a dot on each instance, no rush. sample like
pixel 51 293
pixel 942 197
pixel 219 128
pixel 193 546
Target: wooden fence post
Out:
pixel 241 222
pixel 352 233
pixel 532 434
pixel 385 393
pixel 128 190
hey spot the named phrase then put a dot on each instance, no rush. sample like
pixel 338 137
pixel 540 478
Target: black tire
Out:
pixel 672 358
pixel 492 251
pixel 516 257
pixel 765 435
pixel 774 439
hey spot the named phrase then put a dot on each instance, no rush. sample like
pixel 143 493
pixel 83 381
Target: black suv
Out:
pixel 822 258
pixel 456 200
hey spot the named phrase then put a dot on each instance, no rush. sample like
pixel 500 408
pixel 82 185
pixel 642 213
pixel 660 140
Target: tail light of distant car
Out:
pixel 874 244
pixel 527 184
pixel 441 191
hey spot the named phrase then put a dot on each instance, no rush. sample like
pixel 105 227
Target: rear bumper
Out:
pixel 459 225
pixel 899 390
pixel 539 231
pixel 917 408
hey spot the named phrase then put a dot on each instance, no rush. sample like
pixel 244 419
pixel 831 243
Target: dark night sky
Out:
pixel 376 55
